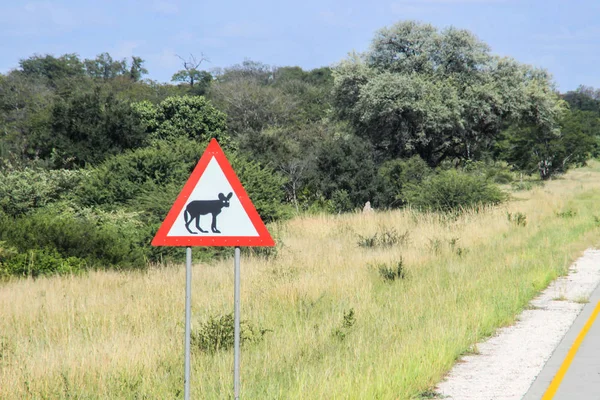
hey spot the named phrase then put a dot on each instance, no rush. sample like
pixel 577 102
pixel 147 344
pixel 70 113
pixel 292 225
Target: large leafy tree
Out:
pixel 104 67
pixel 191 117
pixel 197 79
pixel 585 98
pixel 25 104
pixel 533 148
pixel 137 69
pixel 438 94
pixel 88 126
pixel 53 68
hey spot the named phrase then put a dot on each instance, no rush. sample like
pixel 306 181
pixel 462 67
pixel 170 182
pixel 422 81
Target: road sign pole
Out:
pixel 213 188
pixel 188 317
pixel 236 350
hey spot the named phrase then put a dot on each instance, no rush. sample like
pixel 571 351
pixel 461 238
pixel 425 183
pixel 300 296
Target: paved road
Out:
pixel 573 371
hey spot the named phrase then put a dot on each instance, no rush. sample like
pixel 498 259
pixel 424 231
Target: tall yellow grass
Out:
pixel 112 335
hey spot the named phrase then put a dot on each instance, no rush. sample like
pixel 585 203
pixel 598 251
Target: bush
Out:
pixel 348 322
pixel 384 238
pixel 345 172
pixel 100 238
pixel 396 175
pixel 148 180
pixel 191 117
pixel 392 273
pixel 38 262
pixel 24 190
pixel 494 171
pixel 453 190
pixel 125 176
pixel 518 218
pixel 217 333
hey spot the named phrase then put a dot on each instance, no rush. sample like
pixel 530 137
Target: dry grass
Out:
pixel 120 335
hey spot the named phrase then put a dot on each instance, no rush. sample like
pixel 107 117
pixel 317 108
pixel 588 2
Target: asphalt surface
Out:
pixel 573 370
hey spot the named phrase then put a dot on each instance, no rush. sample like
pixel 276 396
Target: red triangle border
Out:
pixel 263 238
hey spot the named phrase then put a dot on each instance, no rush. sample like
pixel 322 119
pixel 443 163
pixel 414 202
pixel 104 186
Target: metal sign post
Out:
pixel 188 319
pixel 213 193
pixel 236 342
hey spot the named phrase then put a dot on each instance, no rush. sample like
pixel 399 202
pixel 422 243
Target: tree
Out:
pixel 192 75
pixel 137 69
pixel 87 127
pixel 53 68
pixel 533 148
pixel 252 106
pixel 104 67
pixel 256 71
pixel 585 98
pixel 438 94
pixel 191 117
pixel 25 105
pixel 345 168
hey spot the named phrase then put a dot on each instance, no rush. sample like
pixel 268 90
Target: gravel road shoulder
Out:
pixel 507 364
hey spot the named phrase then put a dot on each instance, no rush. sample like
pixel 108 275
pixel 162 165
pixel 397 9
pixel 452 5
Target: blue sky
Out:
pixel 559 35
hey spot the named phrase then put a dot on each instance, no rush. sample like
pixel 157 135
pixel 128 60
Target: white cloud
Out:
pixel 165 7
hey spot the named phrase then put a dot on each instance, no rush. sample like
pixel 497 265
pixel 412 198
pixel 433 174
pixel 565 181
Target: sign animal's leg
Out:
pixel 213 226
pixel 198 225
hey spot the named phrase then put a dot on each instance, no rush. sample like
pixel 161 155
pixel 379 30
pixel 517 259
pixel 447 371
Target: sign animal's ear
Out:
pixel 229 195
pixel 221 196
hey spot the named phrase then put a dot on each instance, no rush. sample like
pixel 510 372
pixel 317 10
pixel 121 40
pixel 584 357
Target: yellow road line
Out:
pixel 551 391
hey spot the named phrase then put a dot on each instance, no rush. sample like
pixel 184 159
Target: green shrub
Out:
pixel 494 171
pixel 38 262
pixel 100 238
pixel 192 117
pixel 348 322
pixel 395 175
pixel 217 333
pixel 341 201
pixel 24 190
pixel 384 238
pixel 518 218
pixel 392 273
pixel 566 214
pixel 453 190
pixel 126 176
pixel 148 180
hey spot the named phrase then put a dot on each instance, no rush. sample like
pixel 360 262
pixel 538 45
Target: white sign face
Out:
pixel 214 208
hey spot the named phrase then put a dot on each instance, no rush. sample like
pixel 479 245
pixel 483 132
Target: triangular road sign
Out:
pixel 213 209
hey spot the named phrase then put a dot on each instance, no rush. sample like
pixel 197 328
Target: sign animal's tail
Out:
pixel 186 217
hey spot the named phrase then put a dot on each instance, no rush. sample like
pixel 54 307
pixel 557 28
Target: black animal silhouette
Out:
pixel 196 208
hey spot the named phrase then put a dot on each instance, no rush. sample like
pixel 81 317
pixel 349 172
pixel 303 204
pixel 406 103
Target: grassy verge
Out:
pixel 337 328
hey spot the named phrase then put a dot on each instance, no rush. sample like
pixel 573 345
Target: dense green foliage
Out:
pixel 93 155
pixel 453 190
pixel 438 94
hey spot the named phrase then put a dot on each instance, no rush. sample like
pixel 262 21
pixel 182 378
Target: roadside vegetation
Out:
pixel 92 155
pixel 327 316
pixel 478 170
